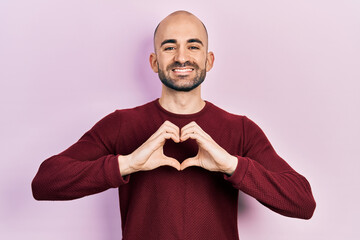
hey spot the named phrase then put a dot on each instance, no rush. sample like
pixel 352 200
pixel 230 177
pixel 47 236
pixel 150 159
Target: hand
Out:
pixel 150 154
pixel 210 155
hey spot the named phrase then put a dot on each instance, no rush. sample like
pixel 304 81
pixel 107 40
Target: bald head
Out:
pixel 172 23
pixel 181 56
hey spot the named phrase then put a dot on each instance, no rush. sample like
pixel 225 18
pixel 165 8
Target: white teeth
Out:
pixel 183 70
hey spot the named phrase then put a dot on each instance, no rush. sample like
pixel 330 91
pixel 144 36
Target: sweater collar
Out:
pixel 176 115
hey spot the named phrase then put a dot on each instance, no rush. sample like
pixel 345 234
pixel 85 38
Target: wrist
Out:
pixel 124 166
pixel 233 161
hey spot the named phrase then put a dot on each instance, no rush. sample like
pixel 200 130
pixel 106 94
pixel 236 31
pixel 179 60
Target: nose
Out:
pixel 181 55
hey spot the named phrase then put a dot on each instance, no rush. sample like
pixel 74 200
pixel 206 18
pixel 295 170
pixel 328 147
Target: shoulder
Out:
pixel 134 113
pixel 227 117
pixel 125 115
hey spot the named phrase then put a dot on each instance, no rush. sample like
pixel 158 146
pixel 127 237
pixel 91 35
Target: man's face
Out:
pixel 181 57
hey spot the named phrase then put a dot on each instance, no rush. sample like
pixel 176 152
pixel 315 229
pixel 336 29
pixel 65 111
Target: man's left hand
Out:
pixel 210 155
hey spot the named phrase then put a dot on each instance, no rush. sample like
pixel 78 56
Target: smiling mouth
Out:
pixel 182 70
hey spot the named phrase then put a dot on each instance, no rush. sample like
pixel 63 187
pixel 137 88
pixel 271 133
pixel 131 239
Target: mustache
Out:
pixel 185 64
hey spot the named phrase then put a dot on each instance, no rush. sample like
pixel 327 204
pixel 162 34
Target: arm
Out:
pixel 150 154
pixel 87 167
pixel 264 175
pixel 259 172
pixel 91 165
pixel 287 193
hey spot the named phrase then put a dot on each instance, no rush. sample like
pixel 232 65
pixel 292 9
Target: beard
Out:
pixel 175 85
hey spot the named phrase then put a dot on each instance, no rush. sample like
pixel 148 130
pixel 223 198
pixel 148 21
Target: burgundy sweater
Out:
pixel 165 203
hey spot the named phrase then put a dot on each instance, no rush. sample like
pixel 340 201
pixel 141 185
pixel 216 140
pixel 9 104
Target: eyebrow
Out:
pixel 195 40
pixel 192 40
pixel 168 41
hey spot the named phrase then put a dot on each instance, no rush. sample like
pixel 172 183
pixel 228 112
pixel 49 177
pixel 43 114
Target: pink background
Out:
pixel 291 66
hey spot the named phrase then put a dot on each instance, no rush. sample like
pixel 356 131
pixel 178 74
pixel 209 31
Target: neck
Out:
pixel 181 102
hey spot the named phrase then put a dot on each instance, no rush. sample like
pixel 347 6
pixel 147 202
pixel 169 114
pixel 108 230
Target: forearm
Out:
pixel 63 178
pixel 231 167
pixel 286 192
pixel 125 168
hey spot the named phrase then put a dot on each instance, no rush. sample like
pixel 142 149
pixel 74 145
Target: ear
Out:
pixel 210 58
pixel 153 62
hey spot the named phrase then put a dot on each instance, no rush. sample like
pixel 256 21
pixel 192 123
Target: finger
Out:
pixel 173 136
pixel 167 127
pixel 192 128
pixel 165 130
pixel 189 162
pixel 168 123
pixel 186 136
pixel 167 135
pixel 173 132
pixel 186 131
pixel 193 134
pixel 193 125
pixel 172 162
pixel 189 125
pixel 159 141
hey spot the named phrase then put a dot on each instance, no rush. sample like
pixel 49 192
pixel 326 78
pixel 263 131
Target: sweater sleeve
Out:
pixel 87 167
pixel 264 175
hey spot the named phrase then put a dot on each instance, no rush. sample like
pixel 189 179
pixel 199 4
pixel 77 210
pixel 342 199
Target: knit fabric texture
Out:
pixel 165 203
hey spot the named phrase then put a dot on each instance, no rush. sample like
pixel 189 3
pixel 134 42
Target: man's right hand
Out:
pixel 150 154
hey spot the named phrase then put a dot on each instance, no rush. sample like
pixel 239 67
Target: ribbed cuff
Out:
pixel 114 176
pixel 239 173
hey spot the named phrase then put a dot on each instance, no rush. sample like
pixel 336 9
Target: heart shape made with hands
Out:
pixel 178 148
pixel 196 148
pixel 182 150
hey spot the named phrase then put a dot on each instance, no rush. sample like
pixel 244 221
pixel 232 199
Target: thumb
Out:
pixel 172 162
pixel 189 162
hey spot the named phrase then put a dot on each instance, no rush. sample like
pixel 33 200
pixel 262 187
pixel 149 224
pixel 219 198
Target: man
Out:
pixel 178 161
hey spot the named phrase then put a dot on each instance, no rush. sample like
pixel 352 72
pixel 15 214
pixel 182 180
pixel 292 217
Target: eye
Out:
pixel 169 48
pixel 194 48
